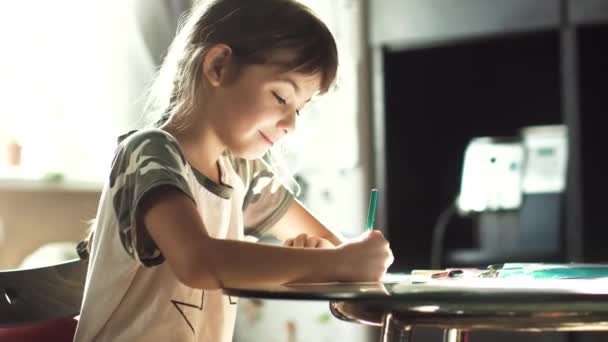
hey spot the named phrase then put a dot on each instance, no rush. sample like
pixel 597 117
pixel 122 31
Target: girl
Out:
pixel 180 197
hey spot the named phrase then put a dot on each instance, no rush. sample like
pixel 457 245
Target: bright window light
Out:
pixel 59 81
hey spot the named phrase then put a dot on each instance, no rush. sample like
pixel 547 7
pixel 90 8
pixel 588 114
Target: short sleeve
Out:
pixel 266 199
pixel 144 161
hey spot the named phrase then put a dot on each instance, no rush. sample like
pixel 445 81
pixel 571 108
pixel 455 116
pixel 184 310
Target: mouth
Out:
pixel 268 140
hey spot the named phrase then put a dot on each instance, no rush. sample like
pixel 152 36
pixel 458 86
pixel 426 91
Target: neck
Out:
pixel 200 144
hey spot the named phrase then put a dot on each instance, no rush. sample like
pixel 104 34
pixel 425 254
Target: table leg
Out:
pixel 455 335
pixel 392 331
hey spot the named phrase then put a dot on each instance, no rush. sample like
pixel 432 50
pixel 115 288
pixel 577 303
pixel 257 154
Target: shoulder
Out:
pixel 138 137
pixel 147 149
pixel 150 141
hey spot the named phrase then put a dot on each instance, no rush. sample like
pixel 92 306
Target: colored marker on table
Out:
pixel 371 213
pixel 439 274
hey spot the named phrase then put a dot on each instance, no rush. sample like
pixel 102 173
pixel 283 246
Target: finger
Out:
pixel 288 243
pixel 377 235
pixel 376 232
pixel 388 263
pixel 324 243
pixel 370 234
pixel 327 244
pixel 313 242
pixel 300 241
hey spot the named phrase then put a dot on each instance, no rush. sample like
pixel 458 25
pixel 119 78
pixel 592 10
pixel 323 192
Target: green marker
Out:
pixel 371 214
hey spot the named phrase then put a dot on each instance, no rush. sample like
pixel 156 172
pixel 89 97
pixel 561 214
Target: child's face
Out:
pixel 259 108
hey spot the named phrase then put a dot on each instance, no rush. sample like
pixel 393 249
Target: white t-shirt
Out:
pixel 130 293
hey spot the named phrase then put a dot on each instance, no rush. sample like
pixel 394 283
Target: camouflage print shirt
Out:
pixel 131 294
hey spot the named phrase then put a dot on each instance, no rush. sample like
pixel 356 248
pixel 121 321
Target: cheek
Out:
pixel 243 121
pixel 255 112
pixel 245 111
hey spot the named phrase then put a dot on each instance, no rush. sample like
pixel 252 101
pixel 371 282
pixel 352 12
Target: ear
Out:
pixel 216 63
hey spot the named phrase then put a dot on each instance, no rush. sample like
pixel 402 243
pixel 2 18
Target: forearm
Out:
pixel 201 261
pixel 297 220
pixel 238 263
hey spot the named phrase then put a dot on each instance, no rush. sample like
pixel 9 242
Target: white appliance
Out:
pixel 498 171
pixel 513 187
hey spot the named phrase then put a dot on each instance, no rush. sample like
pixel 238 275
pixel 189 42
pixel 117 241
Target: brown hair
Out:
pixel 255 30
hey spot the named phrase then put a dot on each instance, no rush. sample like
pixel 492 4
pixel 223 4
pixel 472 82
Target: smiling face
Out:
pixel 259 107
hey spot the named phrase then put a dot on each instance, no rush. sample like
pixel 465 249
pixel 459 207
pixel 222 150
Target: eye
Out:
pixel 279 99
pixel 282 101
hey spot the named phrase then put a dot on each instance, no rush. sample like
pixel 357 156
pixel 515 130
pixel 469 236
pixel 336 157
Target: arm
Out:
pixel 298 220
pixel 200 261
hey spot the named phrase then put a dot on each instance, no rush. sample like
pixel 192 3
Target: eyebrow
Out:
pixel 293 84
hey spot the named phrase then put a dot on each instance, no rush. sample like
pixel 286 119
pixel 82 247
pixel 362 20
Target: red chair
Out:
pixel 39 304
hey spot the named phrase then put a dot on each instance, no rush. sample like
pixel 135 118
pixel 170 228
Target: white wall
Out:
pixel 334 149
pixel 72 75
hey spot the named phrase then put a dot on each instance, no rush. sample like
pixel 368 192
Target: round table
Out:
pixel 456 305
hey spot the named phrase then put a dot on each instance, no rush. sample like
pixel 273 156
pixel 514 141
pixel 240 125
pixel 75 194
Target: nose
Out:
pixel 287 124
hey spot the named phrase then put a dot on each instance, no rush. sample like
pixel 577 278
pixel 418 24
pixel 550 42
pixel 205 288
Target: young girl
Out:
pixel 180 197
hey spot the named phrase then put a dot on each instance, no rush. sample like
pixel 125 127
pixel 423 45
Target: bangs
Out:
pixel 297 42
pixel 316 55
pixel 312 57
pixel 317 58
